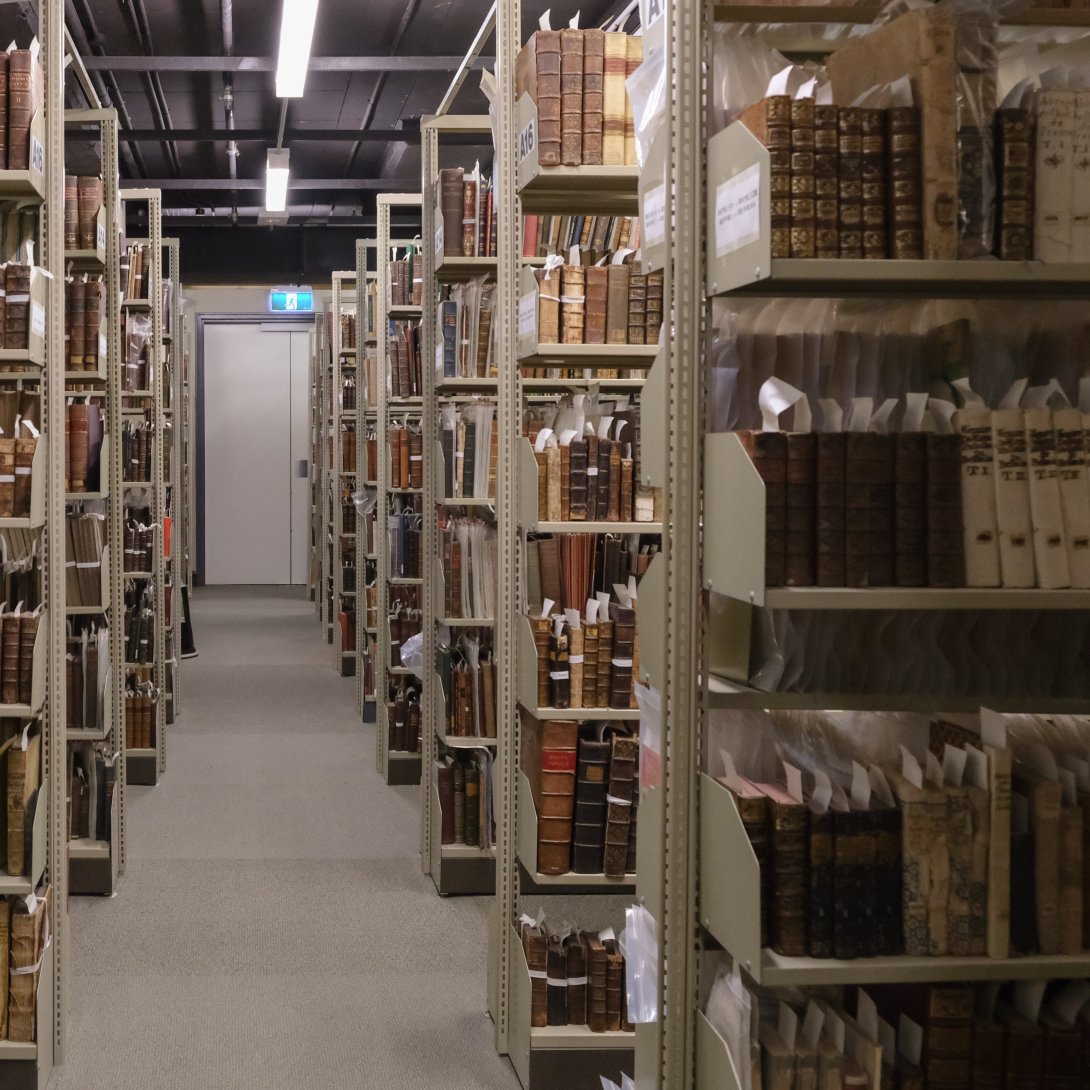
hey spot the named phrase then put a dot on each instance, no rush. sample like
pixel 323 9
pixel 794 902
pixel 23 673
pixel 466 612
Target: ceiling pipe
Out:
pixel 228 23
pixel 86 34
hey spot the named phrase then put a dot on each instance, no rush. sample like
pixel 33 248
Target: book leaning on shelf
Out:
pixel 20 779
pixel 84 313
pixel 403 357
pixel 464 784
pixel 467 672
pixel 82 204
pixel 87 662
pixel 136 450
pixel 465 330
pixel 470 444
pixel 141 713
pixel 92 778
pixel 466 213
pixel 404 720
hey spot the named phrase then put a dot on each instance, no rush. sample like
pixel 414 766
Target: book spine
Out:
pixel 803 212
pixel 1015 180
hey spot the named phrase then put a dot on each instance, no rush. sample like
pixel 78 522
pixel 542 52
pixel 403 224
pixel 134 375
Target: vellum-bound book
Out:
pixel 1012 498
pixel 1071 463
pixel 1046 512
pixel 978 497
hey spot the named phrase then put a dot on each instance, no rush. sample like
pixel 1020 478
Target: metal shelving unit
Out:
pixel 173 449
pixel 94 866
pixel 396 767
pixel 325 472
pixel 345 364
pixel 145 766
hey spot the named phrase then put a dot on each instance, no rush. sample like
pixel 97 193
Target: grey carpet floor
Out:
pixel 273 929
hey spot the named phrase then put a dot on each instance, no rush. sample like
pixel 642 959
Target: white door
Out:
pixel 255 448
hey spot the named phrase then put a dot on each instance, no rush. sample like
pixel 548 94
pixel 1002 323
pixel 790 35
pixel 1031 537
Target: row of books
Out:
pixel 348 332
pixel 585 783
pixel 465 329
pixel 404 538
pixel 137 447
pixel 469 441
pixel 84 314
pixel 20 781
pixel 468 552
pixel 17 450
pixel 569 569
pixel 21 96
pixel 87 661
pixel 577 978
pixel 598 304
pixel 576 79
pixel 24 934
pixel 403 347
pixel 18 409
pixel 404 721
pixel 92 778
pixel 83 561
pixel 136 270
pixel 16 310
pixel 589 661
pixel 407 279
pixel 140 628
pixel 141 712
pixel 348 394
pixel 466 215
pixel 596 236
pixel 83 432
pixel 406 456
pixel 464 783
pixel 82 204
pixel 404 622
pixel 348 447
pixel 139 546
pixel 467 673
pixel 19 632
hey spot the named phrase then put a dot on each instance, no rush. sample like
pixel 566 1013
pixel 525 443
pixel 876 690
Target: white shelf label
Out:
pixel 528 140
pixel 37 319
pixel 528 315
pixel 439 241
pixel 101 236
pixel 102 348
pixel 654 216
pixel 37 156
pixel 439 358
pixel 738 211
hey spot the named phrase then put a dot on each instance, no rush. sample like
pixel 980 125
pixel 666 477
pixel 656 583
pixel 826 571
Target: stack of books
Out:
pixel 86 540
pixel 136 450
pixel 17 449
pixel 470 444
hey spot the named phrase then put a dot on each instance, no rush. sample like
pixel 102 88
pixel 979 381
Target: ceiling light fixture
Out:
pixel 296 34
pixel 276 180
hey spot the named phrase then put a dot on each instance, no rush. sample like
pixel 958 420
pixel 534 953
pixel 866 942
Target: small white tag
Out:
pixel 654 216
pixel 100 237
pixel 528 315
pixel 738 211
pixel 439 240
pixel 37 156
pixel 37 319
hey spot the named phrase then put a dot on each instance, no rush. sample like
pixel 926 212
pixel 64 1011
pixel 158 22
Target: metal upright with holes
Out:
pixel 173 445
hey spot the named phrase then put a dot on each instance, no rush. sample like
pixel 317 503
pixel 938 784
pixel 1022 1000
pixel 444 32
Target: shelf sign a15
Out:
pixel 291 301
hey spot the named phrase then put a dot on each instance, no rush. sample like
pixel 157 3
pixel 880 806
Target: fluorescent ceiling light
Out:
pixel 276 180
pixel 296 34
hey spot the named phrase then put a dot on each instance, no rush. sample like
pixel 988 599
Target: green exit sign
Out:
pixel 286 301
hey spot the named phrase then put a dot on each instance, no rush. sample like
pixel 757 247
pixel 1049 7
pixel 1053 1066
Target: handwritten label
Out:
pixel 654 216
pixel 439 241
pixel 37 319
pixel 528 315
pixel 528 140
pixel 738 211
pixel 37 156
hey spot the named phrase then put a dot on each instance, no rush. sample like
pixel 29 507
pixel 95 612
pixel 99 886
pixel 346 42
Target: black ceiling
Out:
pixel 215 223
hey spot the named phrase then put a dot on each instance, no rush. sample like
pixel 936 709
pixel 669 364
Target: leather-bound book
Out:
pixel 596 982
pixel 826 180
pixel 622 773
pixel 23 777
pixel 416 458
pixel 89 201
pixel 626 511
pixel 17 308
pixel 1071 879
pixel 9 659
pixel 94 312
pixel 768 451
pixel 820 875
pixel 77 441
pixel 1062 1062
pixel 789 878
pixel 594 54
pixel 559 671
pixel 875 186
pixel 633 59
pixel 604 478
pixel 888 899
pixel 945 537
pixel 617 303
pixel 1045 799
pixel 77 332
pixel 910 509
pixel 24 77
pixel 535 944
pixel 557 982
pixel 578 476
pixel 630 865
pixel 905 182
pixel 572 304
pixel 777 1059
pixel 7 477
pixel 469 218
pixel 589 697
pixel 576 953
pixel 631 323
pixel 624 639
pixel 830 508
pixel 548 306
pixel 473 791
pixel 855 849
pixel 614 98
pixel 459 802
pixel 549 750
pixel 978 496
pixel 803 212
pixel 754 808
pixel 571 97
pixel 28 632
pixel 615 985
pixel 3 140
pixel 850 181
pixel 598 281
pixel 1023 1051
pixel 605 660
pixel 29 931
pixel 653 326
pixel 770 121
pixel 71 212
pixel 537 73
pixel 799 509
pixel 1046 510
pixel 444 778
pixel 987 1066
pixel 1014 138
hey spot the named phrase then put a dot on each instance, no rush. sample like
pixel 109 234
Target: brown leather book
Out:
pixel 577 511
pixel 605 659
pixel 594 55
pixel 3 119
pixel 23 778
pixel 89 201
pixel 615 985
pixel 597 1016
pixel 25 446
pixel 17 309
pixel 571 97
pixel 28 938
pixel 770 121
pixel 94 310
pixel 28 633
pixel 653 325
pixel 910 503
pixel 875 186
pixel 469 218
pixel 572 304
pixel 444 780
pixel 768 451
pixel 1015 162
pixel 626 511
pixel 850 183
pixel 869 510
pixel 24 76
pixel 590 806
pixel 535 944
pixel 803 212
pixel 9 660
pixel 905 183
pixel 614 97
pixel 564 481
pixel 800 509
pixel 77 329
pixel 559 670
pixel 451 196
pixel 590 666
pixel 576 950
pixel 619 303
pixel 549 761
pixel 945 539
pixel 1023 1052
pixel 548 306
pixel 537 73
pixel 622 775
pixel 71 212
pixel 826 179
pixel 830 529
pixel 7 477
pixel 987 1069
pixel 556 982
pixel 416 458
pixel 77 442
pixel 598 286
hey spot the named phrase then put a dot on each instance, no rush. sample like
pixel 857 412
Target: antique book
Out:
pixel 1071 880
pixel 614 98
pixel 622 662
pixel 577 508
pixel 959 903
pixel 537 73
pixel 633 59
pixel 875 192
pixel 622 773
pixel 777 1059
pixel 1015 178
pixel 869 509
pixel 826 176
pixel 1023 1052
pixel 559 671
pixel 576 950
pixel 9 652
pixel 598 281
pixel 590 806
pixel 905 203
pixel 768 451
pixel 1046 511
pixel 802 177
pixel 820 879
pixel 788 877
pixel 535 944
pixel 829 511
pixel 799 523
pixel 596 982
pixel 1062 1059
pixel 3 128
pixel 653 327
pixel 24 97
pixel 888 896
pixel 572 304
pixel 571 97
pixel 469 218
pixel 1080 195
pixel 7 477
pixel 987 1055
pixel 28 633
pixel 1054 174
pixel 29 929
pixel 631 327
pixel 615 985
pixel 23 777
pixel 594 50
pixel 71 212
pixel 770 122
pixel 945 537
pixel 910 509
pixel 1045 798
pixel 1074 474
pixel 855 851
pixel 89 201
pixel 473 801
pixel 1012 498
pixel 921 45
pixel 978 496
pixel 849 181
pixel 924 862
pixel 444 779
pixel 556 982
pixel 618 303
pixel 549 761
pixel 17 306
pixel 5 944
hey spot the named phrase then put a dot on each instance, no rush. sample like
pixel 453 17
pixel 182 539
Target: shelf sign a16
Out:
pixel 291 301
pixel 527 140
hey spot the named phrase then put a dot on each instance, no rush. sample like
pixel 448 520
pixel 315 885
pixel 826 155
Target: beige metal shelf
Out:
pixel 452 270
pixel 404 312
pixel 618 385
pixel 448 385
